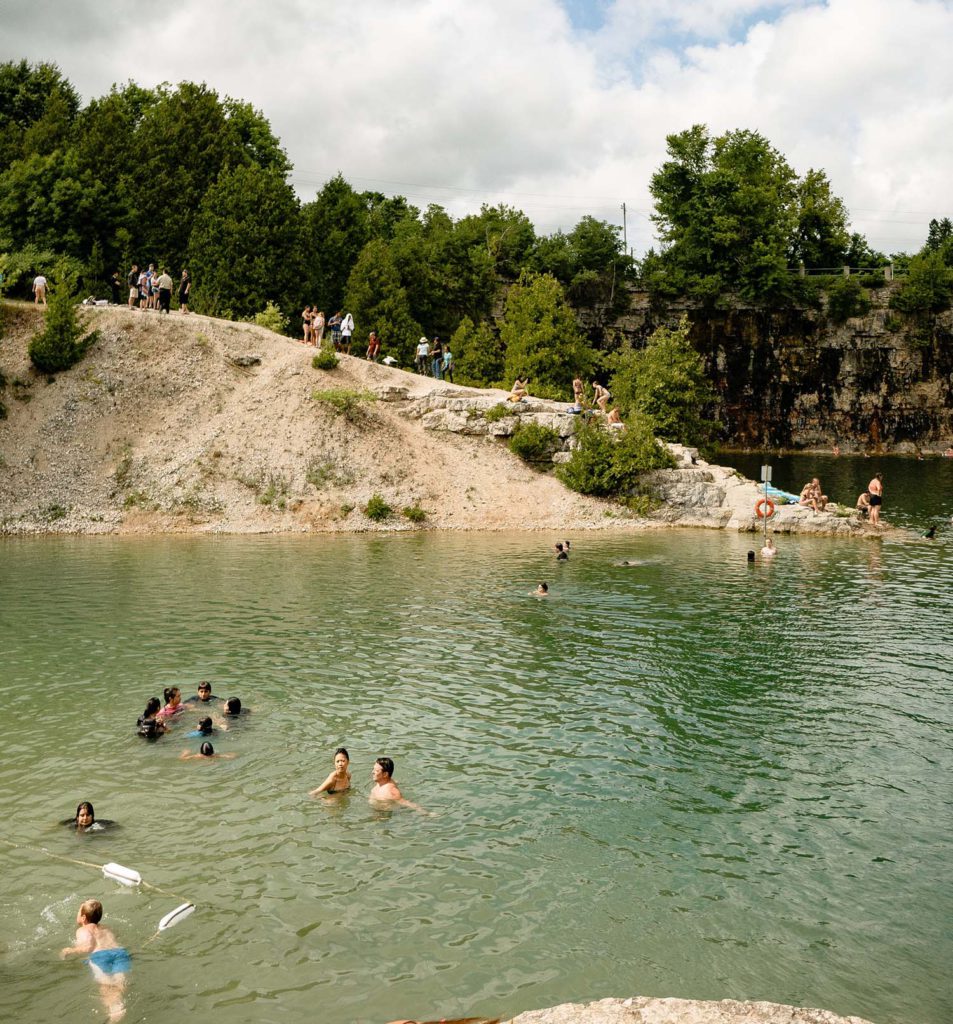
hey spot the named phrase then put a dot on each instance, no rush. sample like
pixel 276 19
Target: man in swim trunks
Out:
pixel 876 490
pixel 108 960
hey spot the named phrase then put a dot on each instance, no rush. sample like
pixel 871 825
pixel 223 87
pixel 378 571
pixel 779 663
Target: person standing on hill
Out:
pixel 307 324
pixel 423 354
pixel 132 280
pixel 347 329
pixel 185 290
pixel 164 284
pixel 317 328
pixel 115 285
pixel 39 290
pixel 334 325
pixel 436 358
pixel 876 490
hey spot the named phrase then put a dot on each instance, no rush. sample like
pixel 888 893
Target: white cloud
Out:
pixel 468 102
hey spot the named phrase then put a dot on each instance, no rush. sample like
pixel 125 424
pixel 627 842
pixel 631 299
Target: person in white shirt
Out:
pixel 39 290
pixel 423 355
pixel 347 329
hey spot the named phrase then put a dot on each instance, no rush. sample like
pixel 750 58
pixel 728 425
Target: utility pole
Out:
pixel 625 237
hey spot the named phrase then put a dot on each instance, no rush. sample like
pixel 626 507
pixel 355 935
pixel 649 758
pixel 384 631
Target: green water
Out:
pixel 691 777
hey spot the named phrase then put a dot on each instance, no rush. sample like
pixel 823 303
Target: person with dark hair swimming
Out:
pixel 339 781
pixel 173 703
pixel 233 707
pixel 204 728
pixel 385 789
pixel 206 753
pixel 148 725
pixel 203 694
pixel 85 819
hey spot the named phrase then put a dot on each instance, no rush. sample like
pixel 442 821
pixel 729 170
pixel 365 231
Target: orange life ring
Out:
pixel 764 513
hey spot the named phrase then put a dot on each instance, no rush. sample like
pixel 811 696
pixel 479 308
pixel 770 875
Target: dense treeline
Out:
pixel 182 177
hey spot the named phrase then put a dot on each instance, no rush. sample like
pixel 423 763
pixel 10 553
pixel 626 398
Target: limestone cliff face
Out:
pixel 790 378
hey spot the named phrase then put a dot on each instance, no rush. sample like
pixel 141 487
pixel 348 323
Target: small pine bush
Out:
pixel 347 403
pixel 414 513
pixel 534 443
pixel 377 509
pixel 272 318
pixel 325 359
pixel 60 344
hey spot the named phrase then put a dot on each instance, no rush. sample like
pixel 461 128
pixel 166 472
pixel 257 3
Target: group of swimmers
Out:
pixel 157 719
pixel 562 555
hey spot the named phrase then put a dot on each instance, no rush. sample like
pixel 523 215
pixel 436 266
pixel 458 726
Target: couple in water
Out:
pixel 384 788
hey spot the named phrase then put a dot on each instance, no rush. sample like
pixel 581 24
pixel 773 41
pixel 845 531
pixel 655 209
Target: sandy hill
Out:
pixel 186 423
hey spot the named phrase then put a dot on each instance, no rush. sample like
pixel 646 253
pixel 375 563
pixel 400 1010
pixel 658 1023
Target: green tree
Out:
pixel 666 381
pixel 928 286
pixel 540 336
pixel 60 344
pixel 335 230
pixel 846 298
pixel 821 237
pixel 726 212
pixel 37 108
pixel 378 302
pixel 243 251
pixel 477 354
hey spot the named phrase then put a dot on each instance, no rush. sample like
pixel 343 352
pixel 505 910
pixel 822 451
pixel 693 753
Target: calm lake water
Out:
pixel 690 777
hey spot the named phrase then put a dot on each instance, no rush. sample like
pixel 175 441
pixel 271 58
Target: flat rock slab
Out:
pixel 644 1010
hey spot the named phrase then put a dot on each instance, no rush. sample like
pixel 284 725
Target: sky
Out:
pixel 558 107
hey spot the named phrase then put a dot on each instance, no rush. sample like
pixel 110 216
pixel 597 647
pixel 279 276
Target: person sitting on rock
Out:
pixel 863 504
pixel 812 497
pixel 614 419
pixel 518 391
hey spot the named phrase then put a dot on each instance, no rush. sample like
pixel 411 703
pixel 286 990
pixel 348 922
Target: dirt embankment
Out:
pixel 189 424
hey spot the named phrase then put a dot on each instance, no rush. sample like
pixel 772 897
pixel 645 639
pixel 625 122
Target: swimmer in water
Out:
pixel 232 708
pixel 206 753
pixel 173 703
pixel 85 819
pixel 203 694
pixel 750 556
pixel 562 555
pixel 204 728
pixel 542 590
pixel 108 961
pixel 385 789
pixel 769 550
pixel 148 725
pixel 339 781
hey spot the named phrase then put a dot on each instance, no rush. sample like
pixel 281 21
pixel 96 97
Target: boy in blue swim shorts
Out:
pixel 108 960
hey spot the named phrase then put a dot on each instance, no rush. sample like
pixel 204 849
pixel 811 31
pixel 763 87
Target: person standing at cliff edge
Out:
pixel 876 490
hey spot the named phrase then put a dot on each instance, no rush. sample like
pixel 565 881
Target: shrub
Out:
pixel 272 319
pixel 325 359
pixel 347 403
pixel 414 513
pixel 377 509
pixel 534 443
pixel 609 464
pixel 846 298
pixel 498 412
pixel 928 287
pixel 60 344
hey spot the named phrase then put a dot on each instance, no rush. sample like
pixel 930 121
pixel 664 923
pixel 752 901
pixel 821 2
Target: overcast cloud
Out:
pixel 559 108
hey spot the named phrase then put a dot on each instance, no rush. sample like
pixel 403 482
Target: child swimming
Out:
pixel 206 753
pixel 85 819
pixel 339 781
pixel 108 961
pixel 173 702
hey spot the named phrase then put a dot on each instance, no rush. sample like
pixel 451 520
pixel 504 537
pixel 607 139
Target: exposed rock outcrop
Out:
pixel 644 1010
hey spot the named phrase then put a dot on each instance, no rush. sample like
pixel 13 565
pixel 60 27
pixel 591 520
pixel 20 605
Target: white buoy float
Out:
pixel 125 876
pixel 175 916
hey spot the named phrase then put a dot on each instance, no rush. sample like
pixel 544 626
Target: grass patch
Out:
pixel 320 474
pixel 136 499
pixel 53 513
pixel 378 509
pixel 497 413
pixel 414 513
pixel 345 402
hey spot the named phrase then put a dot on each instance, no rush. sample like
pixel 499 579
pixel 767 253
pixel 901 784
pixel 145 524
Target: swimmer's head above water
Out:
pixel 205 727
pixel 207 750
pixel 85 815
pixel 233 706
